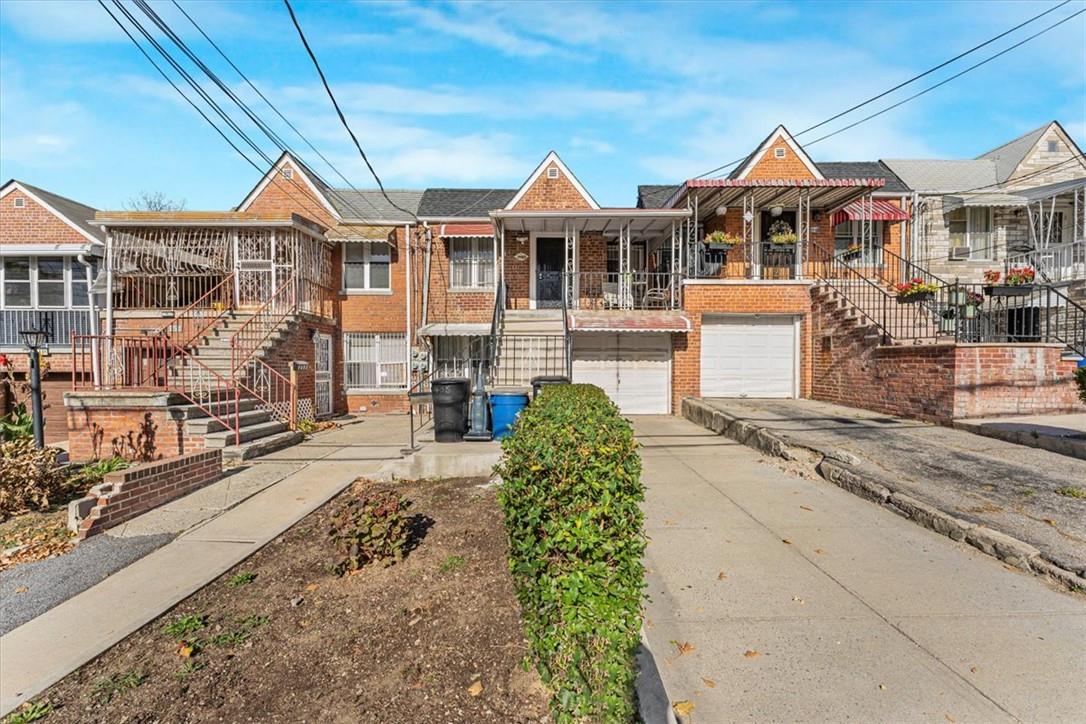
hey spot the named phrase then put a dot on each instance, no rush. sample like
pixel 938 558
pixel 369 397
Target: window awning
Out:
pixel 360 234
pixel 629 321
pixel 879 211
pixel 456 329
pixel 459 231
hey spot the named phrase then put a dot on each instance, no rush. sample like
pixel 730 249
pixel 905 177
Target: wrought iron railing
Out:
pixel 524 356
pixel 420 409
pixel 1028 313
pixel 59 325
pixel 755 260
pixel 164 291
pixel 188 325
pixel 632 290
pixel 275 392
pixel 1056 263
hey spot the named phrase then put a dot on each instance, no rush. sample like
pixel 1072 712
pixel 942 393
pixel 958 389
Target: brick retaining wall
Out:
pixel 124 494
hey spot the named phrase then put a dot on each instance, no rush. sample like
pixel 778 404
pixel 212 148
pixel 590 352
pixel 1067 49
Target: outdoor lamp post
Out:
pixel 34 339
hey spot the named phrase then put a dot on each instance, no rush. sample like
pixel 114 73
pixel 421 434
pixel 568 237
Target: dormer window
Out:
pixel 1053 146
pixel 552 172
pixel 778 153
pixel 20 202
pixel 288 173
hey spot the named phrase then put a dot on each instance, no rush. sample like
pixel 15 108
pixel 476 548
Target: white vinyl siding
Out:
pixel 375 361
pixel 471 263
pixel 366 267
pixel 748 356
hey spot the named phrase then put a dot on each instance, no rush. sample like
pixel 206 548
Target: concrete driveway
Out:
pixel 794 600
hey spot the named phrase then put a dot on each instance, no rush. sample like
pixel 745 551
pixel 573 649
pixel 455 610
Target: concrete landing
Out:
pixel 1063 434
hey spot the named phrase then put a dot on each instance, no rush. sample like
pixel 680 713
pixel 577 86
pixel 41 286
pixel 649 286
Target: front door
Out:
pixel 550 261
pixel 322 374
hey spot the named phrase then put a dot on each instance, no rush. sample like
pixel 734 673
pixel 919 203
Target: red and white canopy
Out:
pixel 877 210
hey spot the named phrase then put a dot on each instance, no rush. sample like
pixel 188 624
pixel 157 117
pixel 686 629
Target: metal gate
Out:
pixel 322 373
pixel 255 268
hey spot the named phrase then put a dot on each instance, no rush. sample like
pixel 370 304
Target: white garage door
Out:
pixel 633 369
pixel 748 356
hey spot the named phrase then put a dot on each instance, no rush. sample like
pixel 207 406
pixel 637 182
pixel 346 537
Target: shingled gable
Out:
pixel 760 164
pixel 540 184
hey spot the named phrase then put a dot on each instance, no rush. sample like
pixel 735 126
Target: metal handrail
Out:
pixel 186 315
pixel 567 337
pixel 497 322
pixel 270 310
pixel 279 386
pixel 416 396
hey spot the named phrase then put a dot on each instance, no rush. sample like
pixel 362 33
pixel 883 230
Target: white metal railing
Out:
pixel 59 324
pixel 1057 263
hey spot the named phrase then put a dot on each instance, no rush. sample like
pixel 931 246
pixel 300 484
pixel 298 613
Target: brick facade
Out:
pixel 771 167
pixel 548 193
pixel 124 494
pixel 94 419
pixel 33 223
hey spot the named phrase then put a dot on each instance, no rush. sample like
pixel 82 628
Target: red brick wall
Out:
pixel 33 224
pixel 547 193
pixel 752 298
pixel 452 306
pixel 934 382
pixel 378 402
pixel 298 346
pixel 770 167
pixel 124 494
pixel 171 439
pixel 53 387
pixel 291 196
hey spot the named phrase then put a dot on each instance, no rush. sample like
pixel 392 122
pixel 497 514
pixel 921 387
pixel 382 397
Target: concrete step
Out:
pixel 225 438
pixel 205 425
pixel 262 446
pixel 193 412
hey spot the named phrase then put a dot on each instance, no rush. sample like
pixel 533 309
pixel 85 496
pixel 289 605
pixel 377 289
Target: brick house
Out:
pixel 309 300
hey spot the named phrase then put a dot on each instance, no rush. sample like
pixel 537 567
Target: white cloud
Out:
pixel 591 144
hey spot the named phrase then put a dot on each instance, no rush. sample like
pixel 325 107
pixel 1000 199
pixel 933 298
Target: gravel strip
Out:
pixel 53 581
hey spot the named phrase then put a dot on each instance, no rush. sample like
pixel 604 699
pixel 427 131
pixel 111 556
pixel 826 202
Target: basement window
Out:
pixel 20 202
pixel 375 361
pixel 778 153
pixel 552 172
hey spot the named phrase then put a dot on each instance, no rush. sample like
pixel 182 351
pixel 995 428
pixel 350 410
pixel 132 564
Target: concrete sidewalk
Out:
pixel 292 483
pixel 803 602
pixel 1013 490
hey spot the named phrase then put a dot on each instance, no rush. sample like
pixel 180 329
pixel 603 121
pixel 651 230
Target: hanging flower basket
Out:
pixel 915 290
pixel 1017 283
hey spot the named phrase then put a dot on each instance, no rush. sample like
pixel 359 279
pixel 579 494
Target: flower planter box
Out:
pixel 915 298
pixel 1008 290
pixel 721 247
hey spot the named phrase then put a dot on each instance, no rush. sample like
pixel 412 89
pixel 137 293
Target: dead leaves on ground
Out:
pixel 708 682
pixel 684 707
pixel 476 688
pixel 684 647
pixel 751 654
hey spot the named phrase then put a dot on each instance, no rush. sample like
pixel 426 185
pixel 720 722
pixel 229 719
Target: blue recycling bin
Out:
pixel 504 408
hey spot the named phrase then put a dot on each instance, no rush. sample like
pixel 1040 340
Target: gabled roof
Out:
pixel 369 204
pixel 654 196
pixel 741 171
pixel 552 157
pixel 74 214
pixel 864 169
pixel 1008 156
pixel 935 176
pixel 439 204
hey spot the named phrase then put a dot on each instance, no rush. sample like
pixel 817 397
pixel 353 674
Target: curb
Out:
pixel 841 469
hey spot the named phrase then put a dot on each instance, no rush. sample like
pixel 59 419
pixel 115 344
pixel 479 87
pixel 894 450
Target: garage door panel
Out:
pixel 748 357
pixel 633 369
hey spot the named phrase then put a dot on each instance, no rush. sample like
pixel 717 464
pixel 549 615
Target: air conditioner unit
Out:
pixel 959 253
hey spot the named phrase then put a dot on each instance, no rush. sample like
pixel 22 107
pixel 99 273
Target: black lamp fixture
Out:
pixel 35 339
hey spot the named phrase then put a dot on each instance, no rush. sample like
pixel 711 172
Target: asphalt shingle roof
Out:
pixel 371 204
pixel 934 176
pixel 1010 154
pixel 463 203
pixel 654 196
pixel 75 212
pixel 864 169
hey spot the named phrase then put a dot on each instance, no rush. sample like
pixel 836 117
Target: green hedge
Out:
pixel 571 492
pixel 1080 379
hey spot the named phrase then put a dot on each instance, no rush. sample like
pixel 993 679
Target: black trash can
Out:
pixel 539 382
pixel 450 397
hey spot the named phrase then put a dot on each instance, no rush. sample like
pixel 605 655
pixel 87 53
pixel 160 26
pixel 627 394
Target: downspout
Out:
pixel 426 273
pixel 92 310
pixel 109 283
pixel 914 227
pixel 410 296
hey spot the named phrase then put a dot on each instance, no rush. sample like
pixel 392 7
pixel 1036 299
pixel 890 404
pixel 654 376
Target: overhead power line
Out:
pixel 339 111
pixel 915 78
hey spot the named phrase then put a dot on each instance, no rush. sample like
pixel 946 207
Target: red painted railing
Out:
pixel 193 321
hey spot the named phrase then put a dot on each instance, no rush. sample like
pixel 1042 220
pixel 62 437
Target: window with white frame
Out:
pixel 46 282
pixel 373 361
pixel 366 267
pixel 459 356
pixel 849 236
pixel 971 228
pixel 471 262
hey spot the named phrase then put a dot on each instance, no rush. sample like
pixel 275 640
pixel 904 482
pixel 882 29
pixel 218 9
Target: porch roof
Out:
pixel 642 222
pixel 877 210
pixel 826 193
pixel 206 219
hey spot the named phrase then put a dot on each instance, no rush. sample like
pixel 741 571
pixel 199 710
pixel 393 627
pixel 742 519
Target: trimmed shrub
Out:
pixel 1080 380
pixel 571 492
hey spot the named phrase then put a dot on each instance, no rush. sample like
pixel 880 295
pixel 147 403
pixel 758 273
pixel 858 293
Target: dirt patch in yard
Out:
pixel 437 637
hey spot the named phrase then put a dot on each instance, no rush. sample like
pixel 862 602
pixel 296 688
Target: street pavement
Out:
pixel 775 597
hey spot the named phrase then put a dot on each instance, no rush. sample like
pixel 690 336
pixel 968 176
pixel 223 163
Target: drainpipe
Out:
pixel 914 227
pixel 409 295
pixel 426 272
pixel 92 310
pixel 109 282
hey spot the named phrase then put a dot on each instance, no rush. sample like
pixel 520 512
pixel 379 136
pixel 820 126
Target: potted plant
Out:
pixel 722 241
pixel 1017 282
pixel 973 300
pixel 915 290
pixel 781 234
pixel 852 252
pixel 947 319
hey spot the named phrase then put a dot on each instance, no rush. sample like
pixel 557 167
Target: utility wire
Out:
pixel 339 112
pixel 917 77
pixel 188 100
pixel 282 145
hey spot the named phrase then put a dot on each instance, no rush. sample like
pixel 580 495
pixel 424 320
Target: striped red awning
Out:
pixel 879 211
pixel 452 231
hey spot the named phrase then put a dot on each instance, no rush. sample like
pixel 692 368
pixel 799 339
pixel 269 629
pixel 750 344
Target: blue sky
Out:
pixel 475 94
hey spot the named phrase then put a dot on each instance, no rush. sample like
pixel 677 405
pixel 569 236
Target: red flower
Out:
pixel 4 362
